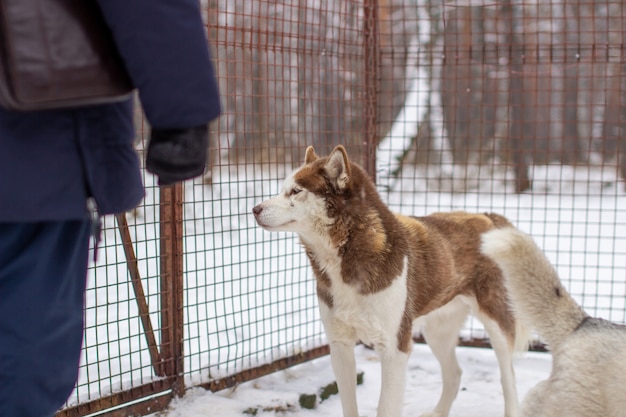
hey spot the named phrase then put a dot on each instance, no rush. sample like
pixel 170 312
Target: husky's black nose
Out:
pixel 257 210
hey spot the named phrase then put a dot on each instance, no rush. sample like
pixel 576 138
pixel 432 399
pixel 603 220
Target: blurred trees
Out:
pixel 543 80
pixel 528 81
pixel 292 73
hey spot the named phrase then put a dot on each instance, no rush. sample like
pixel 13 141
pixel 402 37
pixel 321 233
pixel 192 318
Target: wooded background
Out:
pixel 531 82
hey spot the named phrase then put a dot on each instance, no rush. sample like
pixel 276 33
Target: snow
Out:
pixel 245 306
pixel 574 214
pixel 480 394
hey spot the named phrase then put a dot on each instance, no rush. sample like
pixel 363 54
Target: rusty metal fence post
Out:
pixel 372 85
pixel 171 259
pixel 168 360
pixel 142 305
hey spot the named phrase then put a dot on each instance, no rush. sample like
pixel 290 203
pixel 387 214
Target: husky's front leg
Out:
pixel 344 367
pixel 342 340
pixel 393 367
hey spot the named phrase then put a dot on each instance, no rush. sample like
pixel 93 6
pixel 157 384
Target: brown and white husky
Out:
pixel 381 275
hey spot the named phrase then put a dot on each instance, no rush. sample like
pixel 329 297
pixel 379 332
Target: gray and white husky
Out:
pixel 379 275
pixel 588 376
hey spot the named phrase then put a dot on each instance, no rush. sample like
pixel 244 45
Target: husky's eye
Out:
pixel 294 191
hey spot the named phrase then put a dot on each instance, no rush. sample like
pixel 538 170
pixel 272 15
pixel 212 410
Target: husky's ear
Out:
pixel 338 167
pixel 310 155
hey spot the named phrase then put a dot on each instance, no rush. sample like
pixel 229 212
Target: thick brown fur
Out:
pixel 449 248
pixel 373 241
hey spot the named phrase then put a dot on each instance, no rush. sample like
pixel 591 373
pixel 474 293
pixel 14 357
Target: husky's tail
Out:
pixel 537 296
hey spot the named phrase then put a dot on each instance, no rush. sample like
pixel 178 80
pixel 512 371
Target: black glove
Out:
pixel 177 154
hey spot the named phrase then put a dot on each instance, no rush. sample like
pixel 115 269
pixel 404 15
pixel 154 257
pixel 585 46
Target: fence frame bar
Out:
pixel 140 296
pixel 171 258
pixel 372 85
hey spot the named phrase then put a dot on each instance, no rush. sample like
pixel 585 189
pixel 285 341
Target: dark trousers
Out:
pixel 43 269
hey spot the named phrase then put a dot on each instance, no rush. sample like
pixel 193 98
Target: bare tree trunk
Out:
pixel 622 137
pixel 468 91
pixel 456 86
pixel 572 152
pixel 516 104
pixel 612 127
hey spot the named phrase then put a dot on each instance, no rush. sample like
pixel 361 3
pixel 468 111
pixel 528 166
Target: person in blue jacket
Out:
pixel 52 162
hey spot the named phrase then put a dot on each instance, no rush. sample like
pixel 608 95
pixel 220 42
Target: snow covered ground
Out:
pixel 247 307
pixel 576 215
pixel 278 394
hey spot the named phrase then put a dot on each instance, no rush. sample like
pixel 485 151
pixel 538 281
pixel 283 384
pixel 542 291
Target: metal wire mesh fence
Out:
pixel 517 107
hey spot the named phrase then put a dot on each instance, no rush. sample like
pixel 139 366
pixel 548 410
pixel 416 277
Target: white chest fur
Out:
pixel 373 319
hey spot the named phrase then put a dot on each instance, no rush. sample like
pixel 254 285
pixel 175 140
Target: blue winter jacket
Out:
pixel 51 161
